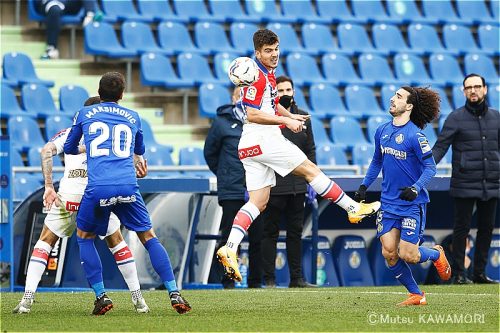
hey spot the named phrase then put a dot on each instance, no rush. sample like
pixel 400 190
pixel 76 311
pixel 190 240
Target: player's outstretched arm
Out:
pixel 285 113
pixel 259 117
pixel 50 195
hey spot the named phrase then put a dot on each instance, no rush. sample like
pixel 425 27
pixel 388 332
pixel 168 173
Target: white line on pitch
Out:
pixel 326 290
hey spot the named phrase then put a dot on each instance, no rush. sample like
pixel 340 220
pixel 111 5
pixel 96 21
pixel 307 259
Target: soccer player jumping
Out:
pixel 404 155
pixel 263 150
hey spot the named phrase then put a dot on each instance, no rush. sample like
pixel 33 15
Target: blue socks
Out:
pixel 402 272
pixel 91 264
pixel 161 263
pixel 427 253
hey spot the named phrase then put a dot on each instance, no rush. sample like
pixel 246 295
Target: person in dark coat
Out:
pixel 473 131
pixel 221 155
pixel 288 199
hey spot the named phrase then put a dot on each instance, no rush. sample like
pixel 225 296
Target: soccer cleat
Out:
pixel 442 265
pixel 229 261
pixel 365 210
pixel 24 306
pixel 414 299
pixel 178 303
pixel 102 305
pixel 140 305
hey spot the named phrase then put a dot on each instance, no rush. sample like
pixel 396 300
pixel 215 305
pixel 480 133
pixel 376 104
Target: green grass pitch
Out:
pixel 450 308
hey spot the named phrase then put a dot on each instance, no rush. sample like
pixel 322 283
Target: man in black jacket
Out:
pixel 473 131
pixel 288 198
pixel 221 154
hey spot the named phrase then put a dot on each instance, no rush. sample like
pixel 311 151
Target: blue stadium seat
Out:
pixel 159 10
pixel 375 70
pixel 330 154
pixel 388 38
pixel 38 100
pixel 382 275
pixel 445 69
pixel 194 10
pixel 440 11
pixel 318 38
pixel 301 11
pixel 386 93
pixel 100 40
pixel 351 261
pixel 157 71
pixel 474 12
pixel 240 36
pixel 282 272
pixel 430 134
pixel 407 12
pixel 55 124
pixel 289 41
pixel 319 132
pixel 459 39
pixel 373 123
pixel 34 158
pixel 337 11
pixel 138 37
pixel 495 9
pixel 16 160
pixel 339 70
pixel 492 270
pixel 174 37
pixel 347 131
pixel 410 68
pixel 424 39
pixel 211 37
pixel 24 186
pixel 122 10
pixel 494 96
pixel 72 98
pixel 195 67
pixel 489 37
pixel 10 107
pixel 300 99
pixel 265 11
pixel 33 15
pixel 18 70
pixel 354 38
pixel 210 97
pixel 445 107
pixel 457 96
pixel 326 276
pixel 420 271
pixel 160 156
pixel 362 155
pixel 482 65
pixel 326 101
pixel 221 64
pixel 24 133
pixel 372 11
pixel 303 69
pixel 230 11
pixel 149 137
pixel 280 70
pixel 193 156
pixel 361 100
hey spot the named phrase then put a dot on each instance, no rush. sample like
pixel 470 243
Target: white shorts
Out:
pixel 62 220
pixel 262 153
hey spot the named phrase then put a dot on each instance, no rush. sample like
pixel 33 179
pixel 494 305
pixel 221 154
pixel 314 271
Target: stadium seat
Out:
pixel 386 93
pixel 157 71
pixel 457 96
pixel 430 134
pixel 240 39
pixel 159 10
pixel 300 99
pixel 319 132
pixel 351 261
pixel 193 156
pixel 221 64
pixel 424 39
pixel 230 11
pixel 372 11
pixel 338 69
pixel 337 11
pixel 492 270
pixel 495 9
pixel 388 39
pixel 362 155
pixel 375 70
pixel 303 69
pixel 445 69
pixel 494 96
pixel 289 41
pixel 37 100
pixel 122 10
pixel 211 37
pixel 301 11
pixel 346 131
pixel 211 96
pixel 482 65
pixel 326 101
pixel 35 160
pixel 382 275
pixel 489 38
pixel 18 70
pixel 318 38
pixel 174 37
pixel 420 271
pixel 474 12
pixel 440 11
pixel 440 124
pixel 459 39
pixel 100 40
pixel 265 11
pixel 72 98
pixel 24 133
pixel 10 106
pixel 24 186
pixel 360 100
pixel 55 124
pixel 373 123
pixel 410 68
pixel 407 12
pixel 195 67
pixel 16 160
pixel 326 276
pixel 330 154
pixel 445 107
pixel 160 156
pixel 353 38
pixel 194 11
pixel 137 37
pixel 33 15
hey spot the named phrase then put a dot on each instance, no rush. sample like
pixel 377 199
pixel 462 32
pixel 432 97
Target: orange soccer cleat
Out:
pixel 414 299
pixel 442 265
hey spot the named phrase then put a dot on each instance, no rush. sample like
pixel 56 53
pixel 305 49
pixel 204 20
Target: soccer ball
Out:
pixel 243 71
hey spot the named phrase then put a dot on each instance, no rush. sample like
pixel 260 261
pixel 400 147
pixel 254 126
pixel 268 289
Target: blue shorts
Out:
pixel 124 200
pixel 410 220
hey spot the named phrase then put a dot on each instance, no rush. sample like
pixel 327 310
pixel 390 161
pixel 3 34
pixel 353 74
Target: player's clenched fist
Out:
pixel 294 125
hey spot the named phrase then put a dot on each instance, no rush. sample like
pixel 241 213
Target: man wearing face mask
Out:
pixel 473 131
pixel 288 199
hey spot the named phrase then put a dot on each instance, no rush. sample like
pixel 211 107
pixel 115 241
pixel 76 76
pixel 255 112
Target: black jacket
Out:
pixel 475 141
pixel 305 141
pixel 221 154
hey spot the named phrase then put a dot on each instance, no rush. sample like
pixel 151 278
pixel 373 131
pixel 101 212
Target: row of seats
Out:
pixel 209 38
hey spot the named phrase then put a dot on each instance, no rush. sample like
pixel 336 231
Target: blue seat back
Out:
pixel 361 99
pixel 326 276
pixel 24 186
pixel 17 66
pixel 335 10
pixel 346 130
pixel 326 98
pixel 473 10
pixel 445 67
pixel 24 133
pixel 458 37
pixel 192 8
pixel 373 123
pixel 457 96
pixel 155 8
pixel 319 132
pixel 482 65
pixel 388 37
pixel 494 96
pixel 406 10
pixel 430 134
pixel 193 66
pixel 16 160
pixel 113 8
pixel 374 67
pixel 300 99
pixel 445 107
pixel 55 124
pixel 147 132
pixel 37 99
pixel 9 101
pixel 301 9
pixel 226 8
pixel 302 67
pixel 492 270
pixel 240 33
pixel 211 96
pixel 420 271
pixel 441 10
pixel 368 8
pixel 100 37
pixel 330 154
pixel 174 36
pixel 362 154
pixel 382 275
pixel 351 261
pixel 409 67
pixel 191 156
pixel 72 98
pixel 386 93
pixel 489 37
pixel 210 37
pixel 35 160
pixel 318 37
pixel 422 36
pixel 337 66
pixel 222 61
pixel 353 37
pixel 137 36
pixel 155 68
pixel 289 40
pixel 265 10
pixel 158 155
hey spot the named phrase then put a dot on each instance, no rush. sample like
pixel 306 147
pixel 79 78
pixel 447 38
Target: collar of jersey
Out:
pixel 261 66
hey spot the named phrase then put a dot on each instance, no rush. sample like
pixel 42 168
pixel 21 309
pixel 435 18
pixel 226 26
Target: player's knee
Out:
pixel 389 254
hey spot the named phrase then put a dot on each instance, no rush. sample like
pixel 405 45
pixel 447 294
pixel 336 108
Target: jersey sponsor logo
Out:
pixel 77 173
pixel 249 152
pixel 400 138
pixel 409 223
pixel 115 200
pixel 399 154
pixel 424 144
pixel 251 93
pixel 72 206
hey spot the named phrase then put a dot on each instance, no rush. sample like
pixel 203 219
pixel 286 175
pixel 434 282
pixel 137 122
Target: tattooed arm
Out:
pixel 50 195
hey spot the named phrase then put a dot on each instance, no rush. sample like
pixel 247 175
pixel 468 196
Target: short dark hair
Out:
pixel 473 75
pixel 426 104
pixel 264 37
pixel 111 87
pixel 92 100
pixel 284 78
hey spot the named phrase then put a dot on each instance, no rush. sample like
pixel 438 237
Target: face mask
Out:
pixel 286 101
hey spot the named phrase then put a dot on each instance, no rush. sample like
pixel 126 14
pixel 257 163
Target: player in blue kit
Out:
pixel 404 155
pixel 114 143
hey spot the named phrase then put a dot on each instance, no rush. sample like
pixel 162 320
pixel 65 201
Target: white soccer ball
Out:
pixel 243 71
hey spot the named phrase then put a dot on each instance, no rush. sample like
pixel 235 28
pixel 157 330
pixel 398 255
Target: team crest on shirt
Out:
pixel 424 144
pixel 251 93
pixel 400 138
